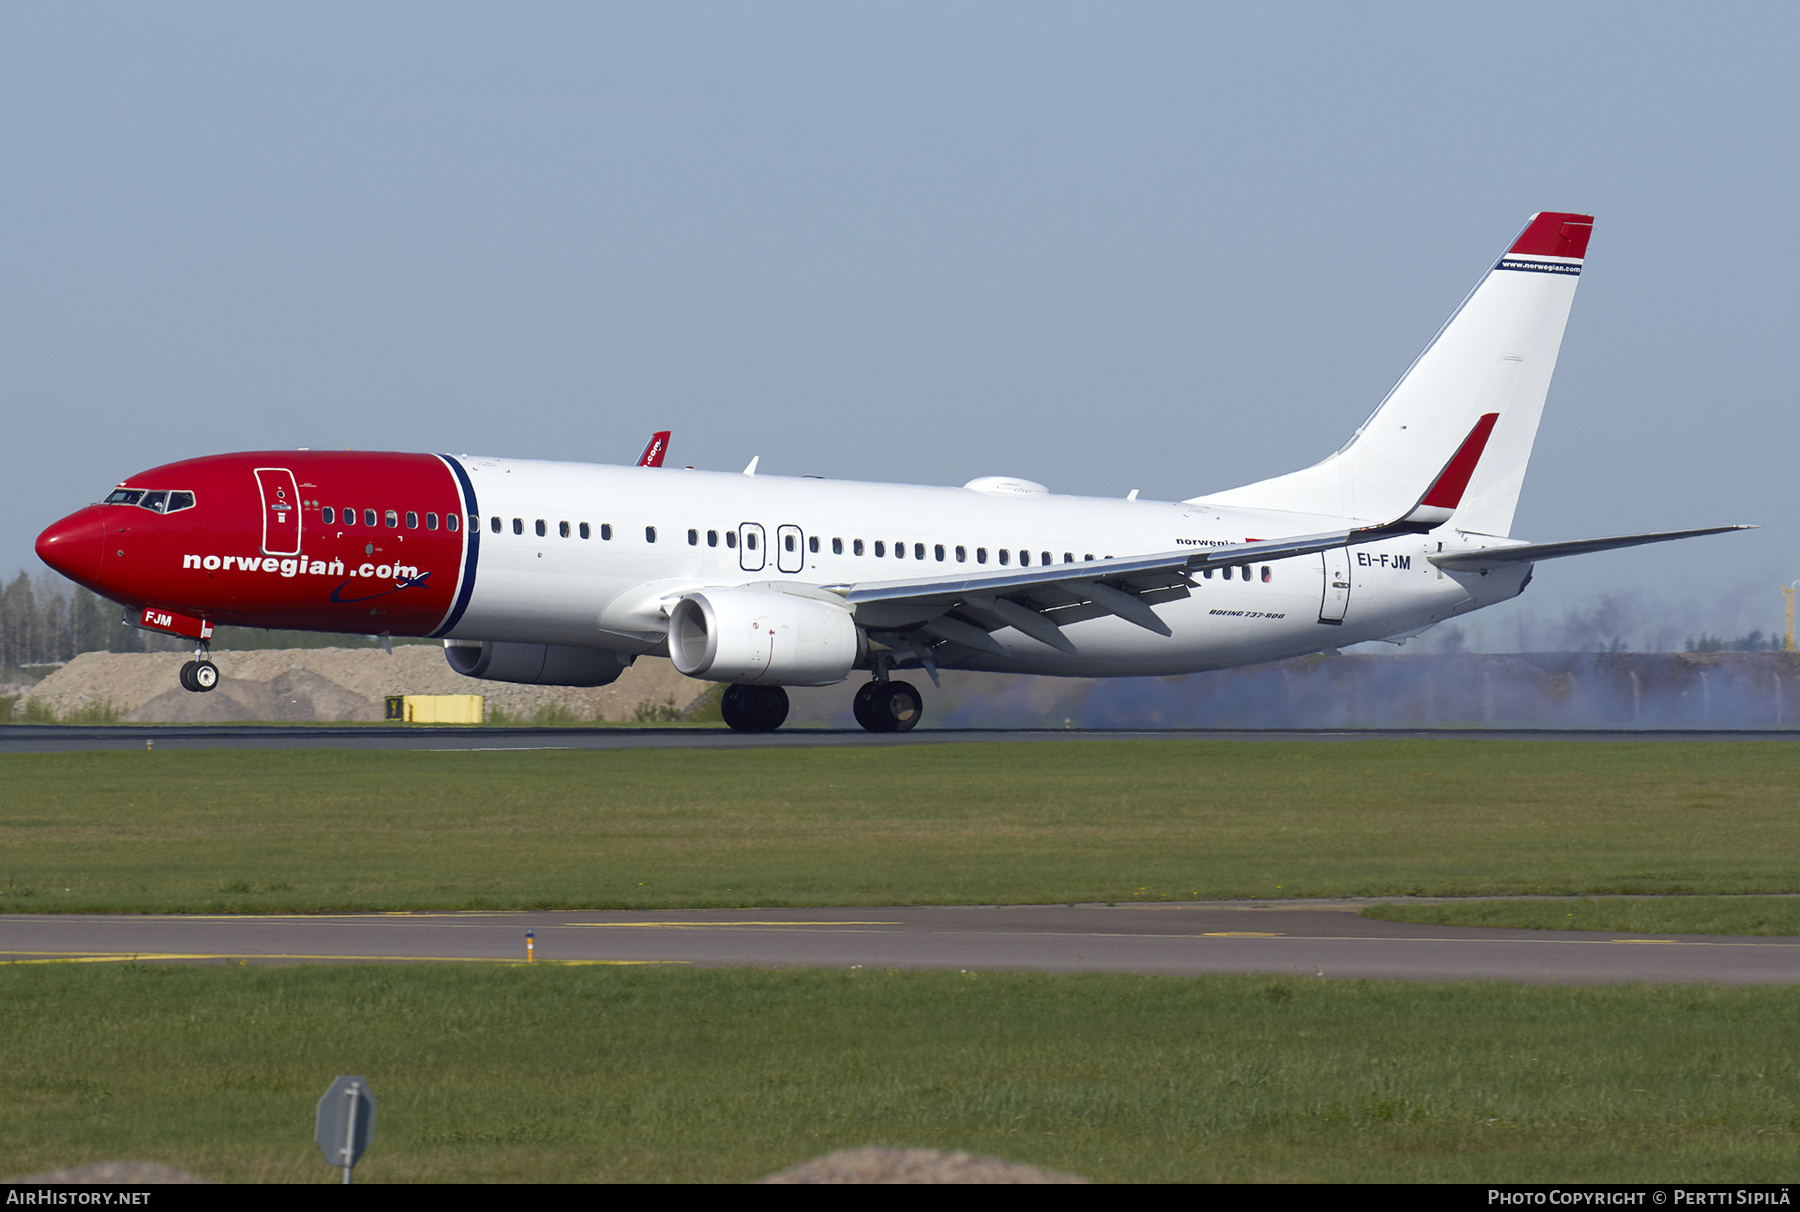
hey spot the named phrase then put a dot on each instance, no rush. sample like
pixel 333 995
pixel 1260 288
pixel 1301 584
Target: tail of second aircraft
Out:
pixel 1495 355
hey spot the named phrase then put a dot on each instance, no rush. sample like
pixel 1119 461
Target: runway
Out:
pixel 71 738
pixel 1311 939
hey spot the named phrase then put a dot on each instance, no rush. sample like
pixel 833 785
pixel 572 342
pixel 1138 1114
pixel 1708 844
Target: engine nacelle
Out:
pixel 763 637
pixel 535 664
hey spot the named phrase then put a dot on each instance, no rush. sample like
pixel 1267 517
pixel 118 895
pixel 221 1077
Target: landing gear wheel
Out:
pixel 187 676
pixel 754 708
pixel 888 707
pixel 205 675
pixel 863 706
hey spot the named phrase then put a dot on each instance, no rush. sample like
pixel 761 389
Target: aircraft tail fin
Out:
pixel 1495 355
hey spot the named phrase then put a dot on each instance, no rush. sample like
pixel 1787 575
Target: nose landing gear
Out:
pixel 888 706
pixel 754 708
pixel 200 674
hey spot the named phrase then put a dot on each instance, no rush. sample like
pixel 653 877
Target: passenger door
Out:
pixel 280 511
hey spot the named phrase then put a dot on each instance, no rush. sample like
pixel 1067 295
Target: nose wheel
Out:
pixel 888 707
pixel 754 708
pixel 199 676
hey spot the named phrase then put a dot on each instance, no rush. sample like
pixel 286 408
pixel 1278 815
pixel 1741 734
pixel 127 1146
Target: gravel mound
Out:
pixel 877 1165
pixel 294 685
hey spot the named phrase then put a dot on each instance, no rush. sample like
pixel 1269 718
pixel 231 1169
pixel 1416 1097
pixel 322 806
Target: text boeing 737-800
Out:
pixel 564 573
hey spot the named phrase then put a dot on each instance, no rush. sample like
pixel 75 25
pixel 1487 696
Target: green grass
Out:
pixel 1637 915
pixel 492 1073
pixel 302 830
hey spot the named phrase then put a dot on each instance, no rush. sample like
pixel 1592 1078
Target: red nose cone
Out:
pixel 74 547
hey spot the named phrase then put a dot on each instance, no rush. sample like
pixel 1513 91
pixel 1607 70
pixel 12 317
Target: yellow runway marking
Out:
pixel 1239 934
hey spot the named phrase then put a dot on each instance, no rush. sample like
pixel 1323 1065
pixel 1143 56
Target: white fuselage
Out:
pixel 721 529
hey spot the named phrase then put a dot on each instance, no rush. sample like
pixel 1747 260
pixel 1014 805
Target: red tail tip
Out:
pixel 1555 234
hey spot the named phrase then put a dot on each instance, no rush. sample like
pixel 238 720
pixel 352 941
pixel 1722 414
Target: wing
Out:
pixel 938 620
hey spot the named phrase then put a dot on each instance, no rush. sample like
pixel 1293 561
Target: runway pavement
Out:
pixel 66 738
pixel 1314 939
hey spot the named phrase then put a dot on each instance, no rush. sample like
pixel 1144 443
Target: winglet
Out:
pixel 1446 492
pixel 654 452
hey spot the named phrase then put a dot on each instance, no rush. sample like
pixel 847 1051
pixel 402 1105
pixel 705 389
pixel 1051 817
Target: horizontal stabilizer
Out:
pixel 1494 557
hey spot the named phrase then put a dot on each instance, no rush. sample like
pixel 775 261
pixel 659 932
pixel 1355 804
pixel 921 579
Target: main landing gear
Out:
pixel 200 674
pixel 882 706
pixel 888 706
pixel 754 708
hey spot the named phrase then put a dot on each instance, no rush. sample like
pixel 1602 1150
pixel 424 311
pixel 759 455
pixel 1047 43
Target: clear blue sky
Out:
pixel 1105 246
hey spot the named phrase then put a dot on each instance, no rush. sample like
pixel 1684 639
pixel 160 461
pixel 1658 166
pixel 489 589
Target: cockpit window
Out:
pixel 157 501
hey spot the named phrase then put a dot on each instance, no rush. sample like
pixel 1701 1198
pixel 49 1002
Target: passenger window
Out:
pixel 393 520
pixel 494 525
pixel 981 555
pixel 328 515
pixel 431 521
pixel 812 543
pixel 1088 555
pixel 899 551
pixel 731 539
pixel 1068 557
pixel 605 531
pixel 938 551
pixel 1265 574
pixel 539 528
pixel 856 548
pixel 962 555
pixel 368 517
pixel 880 548
pixel 1046 558
pixel 518 525
pixel 349 515
pixel 649 534
pixel 693 537
pixel 1207 573
pixel 1024 558
pixel 452 521
pixel 1005 556
pixel 837 547
pixel 562 530
pixel 712 538
pixel 587 532
pixel 919 551
pixel 412 520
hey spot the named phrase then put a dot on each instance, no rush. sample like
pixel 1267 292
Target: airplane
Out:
pixel 564 573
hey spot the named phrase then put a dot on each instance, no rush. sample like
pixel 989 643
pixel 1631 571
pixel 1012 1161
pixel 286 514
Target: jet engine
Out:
pixel 761 636
pixel 535 664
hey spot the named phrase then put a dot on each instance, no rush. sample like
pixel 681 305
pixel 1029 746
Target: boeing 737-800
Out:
pixel 564 573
